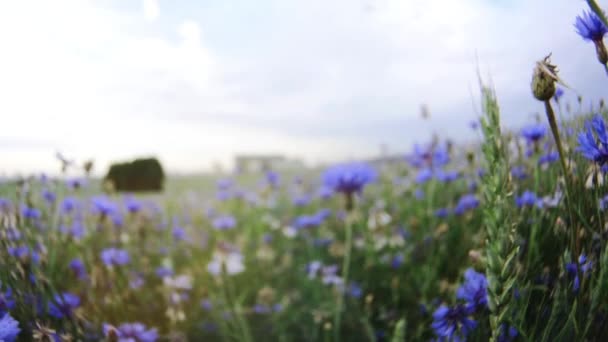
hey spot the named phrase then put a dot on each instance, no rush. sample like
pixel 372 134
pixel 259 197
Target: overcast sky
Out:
pixel 196 81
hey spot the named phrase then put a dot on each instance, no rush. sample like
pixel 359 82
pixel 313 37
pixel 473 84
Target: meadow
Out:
pixel 502 241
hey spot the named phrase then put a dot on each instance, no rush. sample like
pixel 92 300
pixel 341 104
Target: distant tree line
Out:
pixel 143 174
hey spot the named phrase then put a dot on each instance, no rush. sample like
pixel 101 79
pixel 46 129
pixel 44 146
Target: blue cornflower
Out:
pixel 9 328
pixel 68 204
pixel 355 290
pixel 163 271
pixel 349 178
pixel 114 256
pixel 442 212
pixel 424 175
pixel 30 213
pixel 429 156
pixel 528 199
pixel 7 302
pixel 178 233
pixel 301 200
pixel 324 192
pixel 559 92
pixel 534 133
pixel 49 196
pixel 519 172
pixel 224 183
pixel 397 261
pixel 307 221
pixel 224 222
pixel 590 27
pixel 447 176
pixel 78 268
pixel 548 158
pixel 273 179
pixel 131 332
pixel 63 305
pixel 465 203
pixel 589 146
pixel 572 270
pixel 507 333
pixel 24 253
pixel 133 204
pixel 453 323
pixel 103 205
pixel 474 290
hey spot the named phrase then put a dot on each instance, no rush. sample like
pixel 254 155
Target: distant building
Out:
pixel 247 163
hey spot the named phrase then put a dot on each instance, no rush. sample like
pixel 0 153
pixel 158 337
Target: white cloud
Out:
pixel 151 9
pixel 316 79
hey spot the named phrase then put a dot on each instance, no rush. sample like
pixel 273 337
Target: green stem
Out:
pixel 345 268
pixel 562 159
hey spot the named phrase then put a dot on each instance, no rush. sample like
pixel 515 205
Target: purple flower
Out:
pixel 474 290
pixel 349 178
pixel 589 146
pixel 78 268
pixel 548 158
pixel 559 92
pixel 429 156
pixel 164 271
pixel 68 204
pixel 49 196
pixel 6 301
pixel 572 269
pixel 590 27
pixel 178 233
pixel 9 328
pixel 424 175
pixel 534 133
pixel 133 205
pixel 528 199
pixel 30 213
pixel 63 305
pixel 453 323
pixel 273 179
pixel 103 205
pixel 329 275
pixel 447 176
pixel 114 256
pixel 224 222
pixel 130 332
pixel 465 203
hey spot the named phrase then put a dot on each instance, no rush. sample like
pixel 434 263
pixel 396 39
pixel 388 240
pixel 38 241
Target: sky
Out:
pixel 195 82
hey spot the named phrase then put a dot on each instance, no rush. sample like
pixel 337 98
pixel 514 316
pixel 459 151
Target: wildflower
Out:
pixel 447 176
pixel 226 259
pixel 128 332
pixel 431 156
pixel 507 333
pixel 78 268
pixel 355 290
pixel 349 178
pixel 329 275
pixel 273 179
pixel 548 158
pixel 224 222
pixel 465 203
pixel 163 271
pixel 324 192
pixel 9 328
pixel 30 213
pixel 114 256
pixel 528 199
pixel 572 269
pixel 133 205
pixel 6 301
pixel 63 305
pixel 452 323
pixel 474 290
pixel 442 212
pixel 313 268
pixel 424 176
pixel 68 204
pixel 559 92
pixel 534 133
pixel 103 205
pixel 178 233
pixel 591 28
pixel 589 146
pixel 24 253
pixel 49 196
